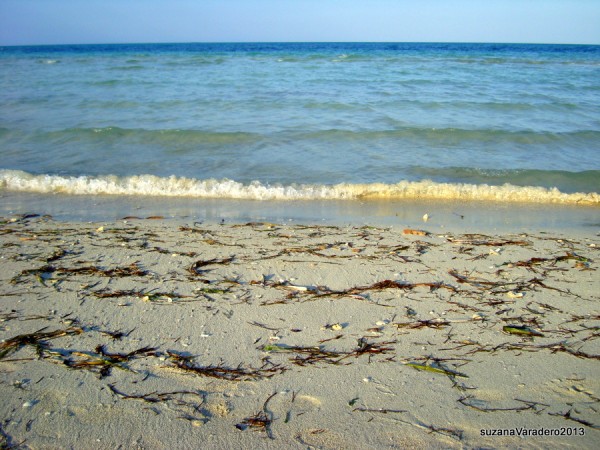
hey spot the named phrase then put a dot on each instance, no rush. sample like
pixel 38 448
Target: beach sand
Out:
pixel 156 334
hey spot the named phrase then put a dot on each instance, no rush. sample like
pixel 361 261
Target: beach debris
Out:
pixel 353 401
pixel 385 284
pixel 483 240
pixel 223 372
pixel 196 268
pixel 435 369
pixel 155 397
pixel 485 301
pixel 333 327
pixel 117 335
pixel 37 340
pixel 436 323
pixel 102 361
pixel 416 232
pixel 425 217
pixel 43 273
pixel 551 261
pixel 262 325
pixel 481 405
pixel 260 421
pixel 379 410
pixel 450 432
pixel 314 355
pixel 147 296
pixel 521 330
pixel 569 416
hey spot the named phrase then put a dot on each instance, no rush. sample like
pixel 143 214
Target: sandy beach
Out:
pixel 143 333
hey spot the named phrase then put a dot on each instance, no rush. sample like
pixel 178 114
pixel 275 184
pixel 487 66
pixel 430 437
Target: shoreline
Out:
pixel 443 215
pixel 154 333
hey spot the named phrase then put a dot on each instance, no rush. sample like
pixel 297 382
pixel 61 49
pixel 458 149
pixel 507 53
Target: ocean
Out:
pixel 302 122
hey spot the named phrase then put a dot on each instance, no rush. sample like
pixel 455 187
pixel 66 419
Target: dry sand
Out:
pixel 153 334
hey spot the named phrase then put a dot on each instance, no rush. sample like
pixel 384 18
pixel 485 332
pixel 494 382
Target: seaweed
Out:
pixel 153 397
pixel 436 369
pixel 383 285
pixel 37 340
pixel 220 371
pixel 568 416
pixel 117 335
pixel 428 323
pixel 482 240
pixel 103 361
pixel 314 355
pixel 538 261
pixel 467 401
pixel 148 296
pixel 379 410
pixel 521 330
pixel 261 421
pixel 127 271
pixel 262 325
pixel 197 267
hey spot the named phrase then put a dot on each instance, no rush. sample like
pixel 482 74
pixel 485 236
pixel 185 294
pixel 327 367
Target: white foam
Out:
pixel 150 185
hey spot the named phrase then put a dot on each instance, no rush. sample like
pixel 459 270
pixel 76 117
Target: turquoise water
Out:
pixel 510 123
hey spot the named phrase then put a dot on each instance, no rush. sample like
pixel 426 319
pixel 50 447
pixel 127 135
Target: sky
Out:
pixel 32 22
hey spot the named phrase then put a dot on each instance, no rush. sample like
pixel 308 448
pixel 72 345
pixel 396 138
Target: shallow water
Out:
pixel 303 121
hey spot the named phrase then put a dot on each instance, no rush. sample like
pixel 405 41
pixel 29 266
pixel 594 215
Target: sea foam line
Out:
pixel 150 185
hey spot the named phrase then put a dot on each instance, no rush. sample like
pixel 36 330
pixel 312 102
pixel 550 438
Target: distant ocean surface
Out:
pixel 505 122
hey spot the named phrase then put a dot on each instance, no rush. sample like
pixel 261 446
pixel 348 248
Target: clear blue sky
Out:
pixel 25 22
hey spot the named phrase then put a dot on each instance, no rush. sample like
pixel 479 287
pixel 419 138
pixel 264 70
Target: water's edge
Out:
pixel 443 216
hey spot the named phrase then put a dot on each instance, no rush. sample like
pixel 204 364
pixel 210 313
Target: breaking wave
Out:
pixel 150 185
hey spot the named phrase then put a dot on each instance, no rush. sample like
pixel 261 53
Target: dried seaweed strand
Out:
pixel 465 401
pixel 261 421
pixel 196 268
pixel 222 372
pixel 37 339
pixel 379 410
pixel 153 397
pixel 103 361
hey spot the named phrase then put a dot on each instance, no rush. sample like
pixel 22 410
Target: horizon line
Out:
pixel 296 42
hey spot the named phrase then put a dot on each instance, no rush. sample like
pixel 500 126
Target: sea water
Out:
pixel 303 121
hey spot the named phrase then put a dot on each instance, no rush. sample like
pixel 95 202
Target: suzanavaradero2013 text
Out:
pixel 563 431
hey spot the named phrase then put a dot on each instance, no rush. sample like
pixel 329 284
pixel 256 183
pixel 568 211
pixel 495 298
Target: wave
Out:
pixel 433 136
pixel 583 181
pixel 150 185
pixel 166 136
pixel 457 135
